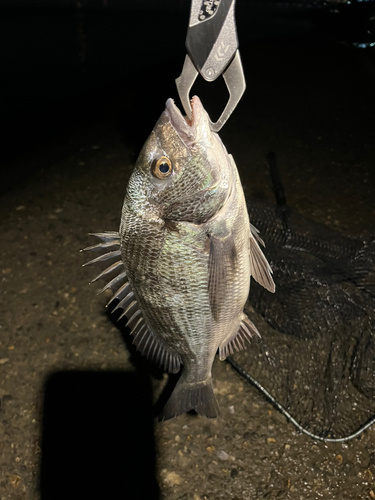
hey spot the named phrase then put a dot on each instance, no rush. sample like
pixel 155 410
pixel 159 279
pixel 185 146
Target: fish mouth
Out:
pixel 186 128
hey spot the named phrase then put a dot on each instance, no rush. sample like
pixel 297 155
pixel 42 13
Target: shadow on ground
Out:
pixel 98 438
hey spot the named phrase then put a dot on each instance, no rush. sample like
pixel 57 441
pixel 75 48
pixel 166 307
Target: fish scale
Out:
pixel 188 251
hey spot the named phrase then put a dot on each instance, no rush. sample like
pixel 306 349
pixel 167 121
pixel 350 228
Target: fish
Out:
pixel 180 264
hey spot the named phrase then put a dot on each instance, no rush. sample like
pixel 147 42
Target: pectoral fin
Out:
pixel 222 260
pixel 259 268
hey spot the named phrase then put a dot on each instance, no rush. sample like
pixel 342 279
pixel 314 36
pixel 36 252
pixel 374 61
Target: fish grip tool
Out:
pixel 212 47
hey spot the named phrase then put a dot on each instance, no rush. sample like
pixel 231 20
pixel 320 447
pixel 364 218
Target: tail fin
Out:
pixel 186 396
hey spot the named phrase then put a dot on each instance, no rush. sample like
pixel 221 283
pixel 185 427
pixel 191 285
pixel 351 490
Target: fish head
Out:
pixel 183 172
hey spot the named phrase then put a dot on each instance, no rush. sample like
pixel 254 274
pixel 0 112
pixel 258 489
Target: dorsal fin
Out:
pixel 114 283
pixel 115 275
pixel 103 257
pixel 154 349
pixel 121 293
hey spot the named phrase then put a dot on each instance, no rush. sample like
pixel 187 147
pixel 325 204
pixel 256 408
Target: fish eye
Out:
pixel 162 168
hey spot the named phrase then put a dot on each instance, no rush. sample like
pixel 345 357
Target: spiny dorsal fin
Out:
pixel 114 283
pixel 103 245
pixel 103 257
pixel 145 340
pixel 153 348
pixel 114 274
pixel 246 332
pixel 259 268
pixel 114 269
pixel 123 302
pixel 121 293
pixel 107 236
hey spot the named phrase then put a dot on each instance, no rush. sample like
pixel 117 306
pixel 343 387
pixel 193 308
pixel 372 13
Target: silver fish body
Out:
pixel 188 251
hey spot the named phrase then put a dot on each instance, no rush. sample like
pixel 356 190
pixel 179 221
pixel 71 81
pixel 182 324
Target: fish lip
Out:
pixel 181 124
pixel 175 115
pixel 186 128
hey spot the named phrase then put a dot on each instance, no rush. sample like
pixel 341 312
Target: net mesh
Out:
pixel 317 351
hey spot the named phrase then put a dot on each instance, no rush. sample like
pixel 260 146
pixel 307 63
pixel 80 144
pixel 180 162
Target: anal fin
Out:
pixel 246 332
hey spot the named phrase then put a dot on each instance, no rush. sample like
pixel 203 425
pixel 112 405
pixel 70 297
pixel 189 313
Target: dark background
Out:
pixel 66 63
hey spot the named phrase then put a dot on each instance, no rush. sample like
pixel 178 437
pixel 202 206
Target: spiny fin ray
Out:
pixel 122 303
pixel 133 306
pixel 121 292
pixel 154 350
pixel 102 246
pixel 112 268
pixel 104 257
pixel 116 281
pixel 107 235
pixel 144 339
